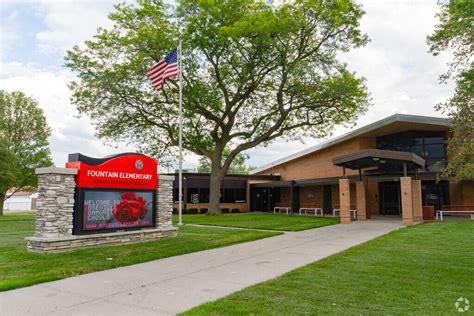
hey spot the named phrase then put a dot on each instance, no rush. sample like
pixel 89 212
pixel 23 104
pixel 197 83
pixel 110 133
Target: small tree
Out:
pixel 237 166
pixel 253 72
pixel 455 33
pixel 24 135
pixel 7 172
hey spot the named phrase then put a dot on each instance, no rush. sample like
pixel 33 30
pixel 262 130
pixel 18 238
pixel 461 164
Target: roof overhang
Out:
pixel 368 158
pixel 229 176
pixel 273 184
pixel 425 122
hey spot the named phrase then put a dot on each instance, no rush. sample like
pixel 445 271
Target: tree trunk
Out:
pixel 2 199
pixel 217 175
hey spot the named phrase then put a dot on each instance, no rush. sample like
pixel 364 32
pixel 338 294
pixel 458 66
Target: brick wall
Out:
pixel 319 164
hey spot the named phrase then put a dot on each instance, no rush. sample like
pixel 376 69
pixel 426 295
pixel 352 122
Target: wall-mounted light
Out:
pixel 375 159
pixel 383 161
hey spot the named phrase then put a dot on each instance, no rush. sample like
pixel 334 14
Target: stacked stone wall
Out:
pixel 55 204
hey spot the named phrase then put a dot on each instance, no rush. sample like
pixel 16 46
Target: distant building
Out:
pixel 20 201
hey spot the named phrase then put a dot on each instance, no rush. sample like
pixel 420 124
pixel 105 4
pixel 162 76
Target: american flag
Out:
pixel 164 69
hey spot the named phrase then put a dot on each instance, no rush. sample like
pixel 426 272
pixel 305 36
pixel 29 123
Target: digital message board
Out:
pixel 114 193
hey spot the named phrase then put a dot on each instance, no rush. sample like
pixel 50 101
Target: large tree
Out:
pixel 455 33
pixel 24 136
pixel 253 71
pixel 237 166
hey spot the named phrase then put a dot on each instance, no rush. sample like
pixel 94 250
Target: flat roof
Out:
pixel 198 175
pixel 408 118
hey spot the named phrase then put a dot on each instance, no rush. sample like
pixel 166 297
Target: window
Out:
pixel 204 195
pixel 197 191
pixel 428 145
pixel 234 191
pixel 436 194
pixel 229 195
pixel 240 195
pixel 176 195
pixel 193 196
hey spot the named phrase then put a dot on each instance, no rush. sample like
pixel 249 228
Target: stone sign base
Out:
pixel 55 215
pixel 61 244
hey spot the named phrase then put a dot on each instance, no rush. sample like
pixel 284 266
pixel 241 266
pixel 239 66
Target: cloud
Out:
pixel 402 76
pixel 71 22
pixel 8 31
pixel 69 133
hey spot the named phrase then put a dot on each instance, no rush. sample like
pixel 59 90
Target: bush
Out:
pixel 203 210
pixel 225 210
pixel 235 210
pixel 175 210
pixel 193 211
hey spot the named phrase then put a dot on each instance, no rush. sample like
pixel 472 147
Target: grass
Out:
pixel 420 270
pixel 261 221
pixel 19 268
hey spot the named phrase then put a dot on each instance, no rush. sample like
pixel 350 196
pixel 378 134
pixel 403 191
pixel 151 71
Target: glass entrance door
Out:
pixel 259 199
pixel 390 198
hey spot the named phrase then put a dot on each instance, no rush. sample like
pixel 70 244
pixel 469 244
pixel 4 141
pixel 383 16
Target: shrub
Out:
pixel 175 210
pixel 235 210
pixel 203 210
pixel 193 211
pixel 225 210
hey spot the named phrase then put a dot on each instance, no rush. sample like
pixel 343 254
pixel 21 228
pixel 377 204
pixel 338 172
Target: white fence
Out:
pixel 18 203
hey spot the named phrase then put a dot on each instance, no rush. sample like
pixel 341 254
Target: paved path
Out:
pixel 172 285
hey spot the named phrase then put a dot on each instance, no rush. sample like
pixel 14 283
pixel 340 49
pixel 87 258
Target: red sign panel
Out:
pixel 129 171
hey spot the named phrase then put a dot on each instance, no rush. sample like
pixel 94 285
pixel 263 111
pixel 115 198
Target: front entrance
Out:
pixel 390 198
pixel 259 199
pixel 264 199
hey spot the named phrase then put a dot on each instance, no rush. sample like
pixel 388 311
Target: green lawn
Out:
pixel 420 270
pixel 20 268
pixel 261 221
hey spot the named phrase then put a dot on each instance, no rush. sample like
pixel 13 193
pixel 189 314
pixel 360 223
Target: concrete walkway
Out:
pixel 172 285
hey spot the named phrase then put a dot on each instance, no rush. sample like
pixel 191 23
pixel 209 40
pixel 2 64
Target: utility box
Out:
pixel 428 213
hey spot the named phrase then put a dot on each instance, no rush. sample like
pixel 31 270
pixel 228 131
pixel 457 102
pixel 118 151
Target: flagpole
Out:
pixel 180 211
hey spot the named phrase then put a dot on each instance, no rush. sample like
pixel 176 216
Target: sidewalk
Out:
pixel 172 285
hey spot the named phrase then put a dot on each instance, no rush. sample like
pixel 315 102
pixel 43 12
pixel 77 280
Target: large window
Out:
pixel 436 194
pixel 233 191
pixel 197 191
pixel 428 145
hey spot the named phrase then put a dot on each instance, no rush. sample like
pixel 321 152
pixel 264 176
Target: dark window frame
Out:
pixel 411 140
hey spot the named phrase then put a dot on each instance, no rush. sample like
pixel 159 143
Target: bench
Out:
pixel 338 210
pixel 316 210
pixel 439 213
pixel 287 209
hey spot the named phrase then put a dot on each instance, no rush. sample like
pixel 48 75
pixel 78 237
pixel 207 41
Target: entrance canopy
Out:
pixel 368 158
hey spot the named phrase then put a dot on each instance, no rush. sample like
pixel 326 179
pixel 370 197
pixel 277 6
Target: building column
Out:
pixel 416 200
pixel 361 204
pixel 407 200
pixel 345 201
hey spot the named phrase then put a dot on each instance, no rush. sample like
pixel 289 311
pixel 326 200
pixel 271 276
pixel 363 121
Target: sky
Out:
pixel 402 77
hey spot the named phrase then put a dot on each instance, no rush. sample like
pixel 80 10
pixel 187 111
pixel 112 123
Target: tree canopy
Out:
pixel 24 135
pixel 253 71
pixel 7 168
pixel 454 33
pixel 236 167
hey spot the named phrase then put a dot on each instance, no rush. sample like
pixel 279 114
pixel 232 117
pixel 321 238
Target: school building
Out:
pixel 385 168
